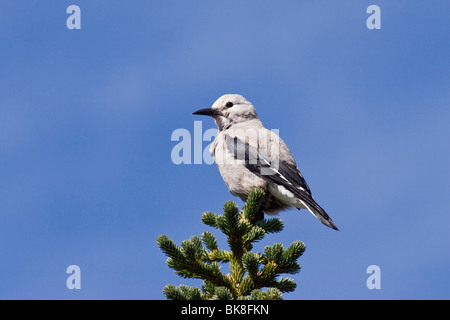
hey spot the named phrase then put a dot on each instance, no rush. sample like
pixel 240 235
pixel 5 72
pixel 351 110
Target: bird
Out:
pixel 250 156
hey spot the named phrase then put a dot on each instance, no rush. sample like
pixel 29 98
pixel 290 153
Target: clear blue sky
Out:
pixel 86 118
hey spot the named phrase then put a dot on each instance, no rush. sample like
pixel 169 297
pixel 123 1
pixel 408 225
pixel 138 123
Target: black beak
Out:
pixel 207 112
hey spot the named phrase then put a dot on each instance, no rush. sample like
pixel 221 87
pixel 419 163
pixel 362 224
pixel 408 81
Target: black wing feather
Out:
pixel 286 175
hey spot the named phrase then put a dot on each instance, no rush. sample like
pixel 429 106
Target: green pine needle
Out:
pixel 250 272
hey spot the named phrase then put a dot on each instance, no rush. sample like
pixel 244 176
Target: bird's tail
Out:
pixel 318 212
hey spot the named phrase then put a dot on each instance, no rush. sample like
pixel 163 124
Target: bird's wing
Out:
pixel 284 173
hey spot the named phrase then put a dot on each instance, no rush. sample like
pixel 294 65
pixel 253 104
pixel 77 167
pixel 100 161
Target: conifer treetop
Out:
pixel 250 272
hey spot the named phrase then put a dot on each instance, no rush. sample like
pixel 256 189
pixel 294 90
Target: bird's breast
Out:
pixel 239 180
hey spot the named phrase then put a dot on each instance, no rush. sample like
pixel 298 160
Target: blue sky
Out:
pixel 86 118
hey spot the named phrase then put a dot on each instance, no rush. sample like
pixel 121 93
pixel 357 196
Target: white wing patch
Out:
pixel 283 194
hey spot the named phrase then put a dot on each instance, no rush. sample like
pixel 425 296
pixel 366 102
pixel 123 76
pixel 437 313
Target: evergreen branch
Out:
pixel 253 205
pixel 182 292
pixel 274 253
pixel 256 234
pixel 249 271
pixel 283 284
pixel 251 262
pixel 192 249
pixel 228 222
pixel 219 255
pixel 208 289
pixel 269 294
pixel 268 273
pixel 209 240
pixel 237 269
pixel 246 286
pixel 294 251
pixel 210 219
pixel 270 225
pixel 170 248
pixel 222 293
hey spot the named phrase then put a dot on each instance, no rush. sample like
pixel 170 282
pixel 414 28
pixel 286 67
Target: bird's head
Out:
pixel 230 109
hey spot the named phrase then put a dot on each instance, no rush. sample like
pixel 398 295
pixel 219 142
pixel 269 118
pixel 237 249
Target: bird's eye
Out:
pixel 229 104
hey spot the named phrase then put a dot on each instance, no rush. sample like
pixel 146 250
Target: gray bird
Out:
pixel 250 156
